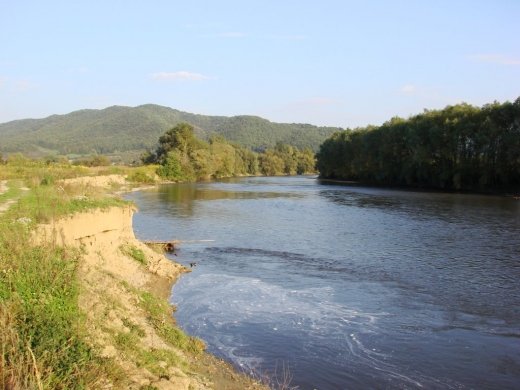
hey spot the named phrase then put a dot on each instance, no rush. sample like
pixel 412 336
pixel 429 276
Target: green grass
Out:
pixel 157 310
pixel 13 191
pixel 134 253
pixel 35 171
pixel 42 330
pixel 134 328
pixel 43 203
pixel 42 337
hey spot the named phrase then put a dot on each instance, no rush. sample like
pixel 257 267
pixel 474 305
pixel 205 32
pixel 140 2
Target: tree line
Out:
pixel 184 157
pixel 460 147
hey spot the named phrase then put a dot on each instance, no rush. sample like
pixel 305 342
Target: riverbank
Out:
pixel 123 288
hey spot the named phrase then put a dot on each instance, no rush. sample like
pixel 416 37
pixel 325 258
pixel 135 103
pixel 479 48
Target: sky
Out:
pixel 328 62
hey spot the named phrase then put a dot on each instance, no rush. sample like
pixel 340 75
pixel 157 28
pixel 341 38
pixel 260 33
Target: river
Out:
pixel 346 287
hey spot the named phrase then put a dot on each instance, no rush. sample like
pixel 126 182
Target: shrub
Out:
pixel 171 169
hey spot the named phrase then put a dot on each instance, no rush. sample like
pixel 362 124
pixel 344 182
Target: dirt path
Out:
pixel 3 188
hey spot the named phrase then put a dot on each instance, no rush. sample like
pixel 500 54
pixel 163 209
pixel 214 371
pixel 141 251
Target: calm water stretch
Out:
pixel 349 287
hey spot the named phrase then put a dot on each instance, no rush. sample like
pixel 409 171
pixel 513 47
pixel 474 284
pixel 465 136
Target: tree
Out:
pixel 306 162
pixel 171 169
pixel 99 161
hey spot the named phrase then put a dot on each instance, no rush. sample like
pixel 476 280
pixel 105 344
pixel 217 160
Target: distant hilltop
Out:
pixel 120 128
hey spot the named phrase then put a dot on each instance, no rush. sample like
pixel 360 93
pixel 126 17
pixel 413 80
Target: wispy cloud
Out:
pixel 177 76
pixel 408 90
pixel 83 69
pixel 287 37
pixel 494 58
pixel 24 85
pixel 433 94
pixel 16 85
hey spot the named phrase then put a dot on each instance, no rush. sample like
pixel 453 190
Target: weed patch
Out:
pixel 157 309
pixel 134 253
pixel 43 341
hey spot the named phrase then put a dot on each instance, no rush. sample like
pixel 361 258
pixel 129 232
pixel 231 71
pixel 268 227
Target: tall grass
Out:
pixel 40 171
pixel 42 333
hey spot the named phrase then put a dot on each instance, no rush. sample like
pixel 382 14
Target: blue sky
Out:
pixel 338 63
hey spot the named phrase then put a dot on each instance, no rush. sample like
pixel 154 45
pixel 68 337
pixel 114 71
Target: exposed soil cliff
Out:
pixel 113 286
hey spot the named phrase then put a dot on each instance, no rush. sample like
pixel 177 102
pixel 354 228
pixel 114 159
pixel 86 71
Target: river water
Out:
pixel 347 287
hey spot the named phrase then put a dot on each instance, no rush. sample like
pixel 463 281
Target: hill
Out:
pixel 122 129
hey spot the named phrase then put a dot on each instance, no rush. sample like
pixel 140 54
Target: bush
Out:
pixel 141 176
pixel 171 169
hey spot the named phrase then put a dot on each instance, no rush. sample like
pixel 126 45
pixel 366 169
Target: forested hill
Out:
pixel 120 128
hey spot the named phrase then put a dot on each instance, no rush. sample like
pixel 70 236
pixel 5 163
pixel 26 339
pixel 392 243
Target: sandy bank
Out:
pixel 112 286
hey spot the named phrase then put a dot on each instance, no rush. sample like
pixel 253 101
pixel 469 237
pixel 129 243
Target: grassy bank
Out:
pixel 43 336
pixel 62 327
pixel 41 332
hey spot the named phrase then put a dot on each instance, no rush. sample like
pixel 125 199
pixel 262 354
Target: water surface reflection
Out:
pixel 352 287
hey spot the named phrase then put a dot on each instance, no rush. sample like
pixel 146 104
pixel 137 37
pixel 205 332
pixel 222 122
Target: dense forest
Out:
pixel 459 147
pixel 119 129
pixel 184 157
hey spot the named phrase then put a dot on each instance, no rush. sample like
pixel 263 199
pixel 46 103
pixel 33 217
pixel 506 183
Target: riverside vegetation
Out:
pixel 184 157
pixel 461 147
pixel 48 340
pixel 45 340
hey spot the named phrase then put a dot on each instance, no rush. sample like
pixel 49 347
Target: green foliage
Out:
pixel 138 128
pixel 186 158
pixel 97 160
pixel 45 203
pixel 459 147
pixel 171 169
pixel 40 323
pixel 142 175
pixel 306 162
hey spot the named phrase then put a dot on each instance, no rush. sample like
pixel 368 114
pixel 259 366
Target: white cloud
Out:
pixel 428 95
pixel 83 69
pixel 409 89
pixel 494 58
pixel 177 76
